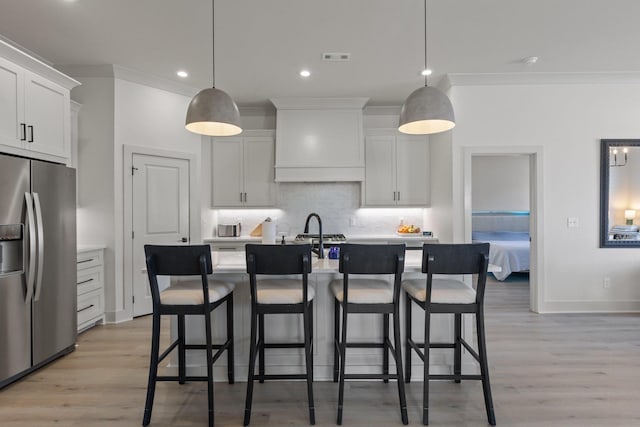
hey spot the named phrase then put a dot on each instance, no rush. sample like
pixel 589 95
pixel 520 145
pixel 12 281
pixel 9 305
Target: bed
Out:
pixel 509 238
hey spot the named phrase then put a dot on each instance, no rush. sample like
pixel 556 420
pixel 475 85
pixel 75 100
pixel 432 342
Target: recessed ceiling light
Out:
pixel 182 74
pixel 530 60
pixel 426 72
pixel 305 73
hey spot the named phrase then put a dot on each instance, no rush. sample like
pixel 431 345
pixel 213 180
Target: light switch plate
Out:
pixel 572 222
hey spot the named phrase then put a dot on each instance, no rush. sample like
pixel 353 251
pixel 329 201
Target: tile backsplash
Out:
pixel 337 203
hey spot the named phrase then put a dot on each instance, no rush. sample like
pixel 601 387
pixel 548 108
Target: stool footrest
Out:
pixel 268 377
pixel 370 376
pixel 440 345
pixel 364 345
pixel 283 345
pixel 176 378
pixel 454 377
pixel 204 346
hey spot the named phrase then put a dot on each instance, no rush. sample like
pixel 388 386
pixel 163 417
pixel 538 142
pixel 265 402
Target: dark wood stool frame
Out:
pixel 185 261
pixel 370 259
pixel 472 258
pixel 279 260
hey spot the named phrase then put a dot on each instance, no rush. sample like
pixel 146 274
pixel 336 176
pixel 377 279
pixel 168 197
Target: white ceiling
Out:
pixel 261 45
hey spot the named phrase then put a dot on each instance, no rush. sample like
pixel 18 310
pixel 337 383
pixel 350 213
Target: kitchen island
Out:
pixel 230 266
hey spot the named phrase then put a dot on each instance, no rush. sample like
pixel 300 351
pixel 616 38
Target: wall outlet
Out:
pixel 352 221
pixel 606 282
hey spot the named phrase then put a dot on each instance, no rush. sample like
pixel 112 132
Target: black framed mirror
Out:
pixel 619 193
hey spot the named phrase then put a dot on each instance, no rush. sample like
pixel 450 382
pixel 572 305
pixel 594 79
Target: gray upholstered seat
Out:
pixel 189 292
pixel 443 291
pixel 364 291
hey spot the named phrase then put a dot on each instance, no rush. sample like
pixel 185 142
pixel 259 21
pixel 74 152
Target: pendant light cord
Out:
pixel 425 43
pixel 213 42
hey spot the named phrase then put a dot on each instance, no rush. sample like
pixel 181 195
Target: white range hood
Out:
pixel 319 139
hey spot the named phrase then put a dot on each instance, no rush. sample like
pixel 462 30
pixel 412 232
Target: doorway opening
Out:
pixel 503 194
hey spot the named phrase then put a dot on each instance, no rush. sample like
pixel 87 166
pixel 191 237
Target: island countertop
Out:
pixel 235 262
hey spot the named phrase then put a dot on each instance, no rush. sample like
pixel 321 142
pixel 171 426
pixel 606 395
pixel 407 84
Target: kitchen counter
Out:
pixel 87 248
pixel 234 263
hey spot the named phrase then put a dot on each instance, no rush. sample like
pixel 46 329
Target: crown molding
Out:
pixel 318 103
pixel 122 73
pixel 467 79
pixel 381 110
pixel 14 53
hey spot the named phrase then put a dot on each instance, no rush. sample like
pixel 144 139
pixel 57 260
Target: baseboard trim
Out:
pixel 590 307
pixel 117 316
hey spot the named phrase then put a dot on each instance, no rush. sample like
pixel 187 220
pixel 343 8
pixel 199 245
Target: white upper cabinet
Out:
pixel 48 116
pixel 243 173
pixel 397 169
pixel 11 104
pixel 35 118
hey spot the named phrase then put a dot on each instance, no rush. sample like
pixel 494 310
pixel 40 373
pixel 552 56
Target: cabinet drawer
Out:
pixel 89 259
pixel 90 307
pixel 89 279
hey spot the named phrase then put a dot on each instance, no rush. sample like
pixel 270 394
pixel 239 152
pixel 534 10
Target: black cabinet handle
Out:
pixel 23 131
pixel 30 133
pixel 85 281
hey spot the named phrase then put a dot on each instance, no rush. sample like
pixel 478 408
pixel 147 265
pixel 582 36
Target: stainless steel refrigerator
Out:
pixel 37 265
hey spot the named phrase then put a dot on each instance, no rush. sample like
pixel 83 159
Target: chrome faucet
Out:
pixel 306 230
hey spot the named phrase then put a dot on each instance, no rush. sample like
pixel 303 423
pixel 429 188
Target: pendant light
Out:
pixel 212 111
pixel 427 110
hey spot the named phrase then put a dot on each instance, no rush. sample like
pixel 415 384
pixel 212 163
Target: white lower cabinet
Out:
pixel 90 284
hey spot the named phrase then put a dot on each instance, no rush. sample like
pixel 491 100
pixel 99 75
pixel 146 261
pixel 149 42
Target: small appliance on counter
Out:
pixel 229 230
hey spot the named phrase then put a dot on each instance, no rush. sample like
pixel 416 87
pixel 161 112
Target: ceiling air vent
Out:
pixel 336 56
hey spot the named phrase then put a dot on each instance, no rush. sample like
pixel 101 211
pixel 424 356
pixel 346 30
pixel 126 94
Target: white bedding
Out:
pixel 510 256
pixel 509 250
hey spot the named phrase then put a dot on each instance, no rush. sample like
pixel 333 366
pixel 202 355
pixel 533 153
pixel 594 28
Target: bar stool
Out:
pixel 450 295
pixel 360 295
pixel 279 296
pixel 200 296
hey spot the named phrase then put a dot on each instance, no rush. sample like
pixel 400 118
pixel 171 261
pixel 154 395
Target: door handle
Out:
pixel 31 265
pixel 40 226
pixel 184 239
pixel 23 131
pixel 30 133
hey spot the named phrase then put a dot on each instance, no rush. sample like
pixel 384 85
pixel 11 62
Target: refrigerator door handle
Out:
pixel 31 264
pixel 38 286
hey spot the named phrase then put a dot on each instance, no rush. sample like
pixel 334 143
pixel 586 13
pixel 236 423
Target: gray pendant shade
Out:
pixel 212 112
pixel 427 110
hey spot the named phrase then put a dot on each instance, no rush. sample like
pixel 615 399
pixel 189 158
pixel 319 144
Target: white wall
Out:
pixel 115 113
pixel 500 183
pixel 146 117
pixel 95 214
pixel 567 121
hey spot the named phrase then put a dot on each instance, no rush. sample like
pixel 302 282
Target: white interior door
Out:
pixel 160 214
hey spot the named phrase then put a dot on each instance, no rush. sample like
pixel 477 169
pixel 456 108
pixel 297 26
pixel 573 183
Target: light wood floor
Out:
pixel 546 370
